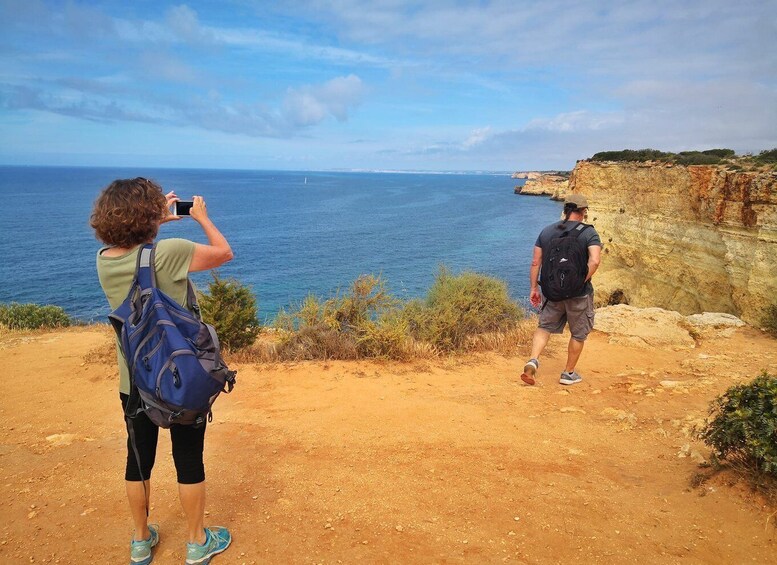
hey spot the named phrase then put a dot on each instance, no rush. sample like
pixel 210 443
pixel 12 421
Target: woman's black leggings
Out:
pixel 188 445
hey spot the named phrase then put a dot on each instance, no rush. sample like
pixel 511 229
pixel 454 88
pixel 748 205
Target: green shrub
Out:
pixel 633 155
pixel 767 156
pixel 231 308
pixel 769 320
pixel 362 322
pixel 32 316
pixel 696 158
pixel 708 157
pixel 460 307
pixel 317 341
pixel 386 337
pixel 367 321
pixel 744 424
pixel 722 153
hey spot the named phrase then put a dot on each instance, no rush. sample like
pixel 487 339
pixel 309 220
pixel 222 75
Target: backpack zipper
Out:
pixel 166 366
pixel 147 338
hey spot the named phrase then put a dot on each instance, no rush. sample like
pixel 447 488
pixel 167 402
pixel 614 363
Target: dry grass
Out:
pixel 323 344
pixel 506 342
pixel 105 353
pixel 738 471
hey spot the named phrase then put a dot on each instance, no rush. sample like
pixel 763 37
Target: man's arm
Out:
pixel 534 275
pixel 594 258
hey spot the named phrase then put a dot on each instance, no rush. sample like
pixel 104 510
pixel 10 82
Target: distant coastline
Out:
pixel 543 183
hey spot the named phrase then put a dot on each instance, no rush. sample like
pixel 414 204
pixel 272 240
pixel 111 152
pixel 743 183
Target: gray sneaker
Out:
pixel 570 378
pixel 529 370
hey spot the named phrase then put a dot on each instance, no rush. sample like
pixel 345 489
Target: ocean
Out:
pixel 293 233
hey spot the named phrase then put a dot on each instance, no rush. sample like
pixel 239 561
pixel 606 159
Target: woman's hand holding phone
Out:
pixel 199 210
pixel 170 199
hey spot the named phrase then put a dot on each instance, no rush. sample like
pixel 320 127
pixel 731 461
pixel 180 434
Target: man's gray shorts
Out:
pixel 578 312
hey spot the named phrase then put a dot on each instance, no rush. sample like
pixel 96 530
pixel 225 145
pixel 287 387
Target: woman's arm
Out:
pixel 218 251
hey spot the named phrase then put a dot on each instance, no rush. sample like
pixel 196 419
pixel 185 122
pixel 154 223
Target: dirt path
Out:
pixel 452 461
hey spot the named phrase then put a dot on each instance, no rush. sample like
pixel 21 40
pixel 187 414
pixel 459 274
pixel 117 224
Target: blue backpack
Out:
pixel 175 365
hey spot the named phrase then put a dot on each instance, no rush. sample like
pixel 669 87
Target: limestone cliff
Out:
pixel 544 184
pixel 691 239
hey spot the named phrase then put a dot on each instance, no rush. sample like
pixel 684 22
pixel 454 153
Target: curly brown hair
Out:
pixel 128 212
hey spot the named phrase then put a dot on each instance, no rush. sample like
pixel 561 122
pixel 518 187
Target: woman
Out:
pixel 127 215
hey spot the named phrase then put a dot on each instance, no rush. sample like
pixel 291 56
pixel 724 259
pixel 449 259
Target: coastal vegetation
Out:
pixel 230 307
pixel 764 159
pixel 16 316
pixel 460 312
pixel 458 308
pixel 743 425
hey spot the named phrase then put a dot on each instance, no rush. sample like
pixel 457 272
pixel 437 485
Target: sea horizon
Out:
pixel 294 233
pixel 260 170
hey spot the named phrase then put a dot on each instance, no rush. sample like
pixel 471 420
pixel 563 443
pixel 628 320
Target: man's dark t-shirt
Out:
pixel 588 238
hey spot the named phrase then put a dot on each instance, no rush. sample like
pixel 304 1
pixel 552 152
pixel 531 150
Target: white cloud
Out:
pixel 185 24
pixel 580 120
pixel 163 66
pixel 311 104
pixel 557 80
pixel 477 137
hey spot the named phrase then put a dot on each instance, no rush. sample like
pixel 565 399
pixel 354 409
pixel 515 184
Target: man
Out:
pixel 562 244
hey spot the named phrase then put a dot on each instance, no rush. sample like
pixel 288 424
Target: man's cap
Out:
pixel 578 200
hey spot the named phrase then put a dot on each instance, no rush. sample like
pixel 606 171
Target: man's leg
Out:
pixel 539 341
pixel 580 313
pixel 574 349
pixel 553 317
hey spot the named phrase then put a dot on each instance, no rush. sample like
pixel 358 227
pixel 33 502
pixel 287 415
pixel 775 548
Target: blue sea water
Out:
pixel 293 233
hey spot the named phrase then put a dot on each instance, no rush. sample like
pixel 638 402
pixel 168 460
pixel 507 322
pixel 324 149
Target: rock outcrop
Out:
pixel 543 184
pixel 663 329
pixel 691 239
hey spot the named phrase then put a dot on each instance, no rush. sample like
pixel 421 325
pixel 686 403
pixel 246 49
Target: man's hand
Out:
pixel 535 297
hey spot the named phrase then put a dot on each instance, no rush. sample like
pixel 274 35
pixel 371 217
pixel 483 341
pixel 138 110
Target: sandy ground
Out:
pixel 450 461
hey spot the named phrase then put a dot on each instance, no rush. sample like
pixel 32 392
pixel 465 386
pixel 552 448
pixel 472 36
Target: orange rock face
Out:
pixel 691 239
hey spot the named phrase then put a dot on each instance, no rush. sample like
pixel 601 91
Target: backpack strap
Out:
pixel 145 272
pixel 580 228
pixel 145 279
pixel 576 231
pixel 191 299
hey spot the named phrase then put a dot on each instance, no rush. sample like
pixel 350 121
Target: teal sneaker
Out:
pixel 216 540
pixel 140 551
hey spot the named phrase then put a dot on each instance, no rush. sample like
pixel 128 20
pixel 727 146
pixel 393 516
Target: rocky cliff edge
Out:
pixel 691 239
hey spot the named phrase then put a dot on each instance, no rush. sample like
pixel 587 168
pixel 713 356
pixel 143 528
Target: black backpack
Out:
pixel 564 265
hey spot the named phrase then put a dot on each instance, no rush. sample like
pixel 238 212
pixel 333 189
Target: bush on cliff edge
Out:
pixel 743 428
pixel 231 308
pixel 465 311
pixel 32 316
pixel 458 308
pixel 361 322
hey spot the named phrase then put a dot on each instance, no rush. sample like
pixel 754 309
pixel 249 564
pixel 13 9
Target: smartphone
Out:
pixel 182 208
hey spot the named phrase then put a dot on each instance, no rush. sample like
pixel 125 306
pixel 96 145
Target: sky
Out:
pixel 452 85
